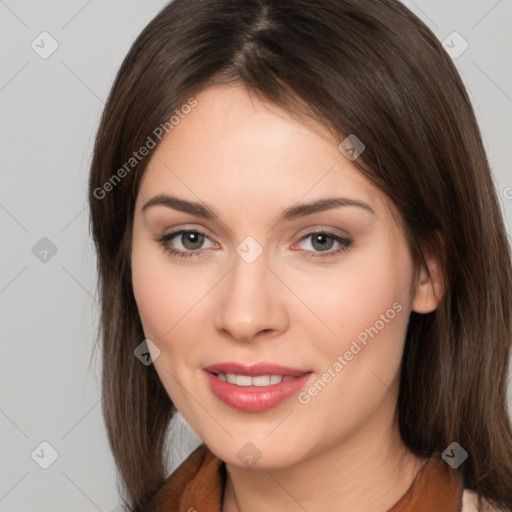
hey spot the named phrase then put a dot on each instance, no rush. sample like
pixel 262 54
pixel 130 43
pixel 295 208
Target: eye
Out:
pixel 322 242
pixel 190 240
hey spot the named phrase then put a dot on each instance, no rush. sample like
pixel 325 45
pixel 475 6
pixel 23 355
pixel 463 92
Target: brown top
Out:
pixel 198 485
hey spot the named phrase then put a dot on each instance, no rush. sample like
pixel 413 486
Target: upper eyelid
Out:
pixel 314 227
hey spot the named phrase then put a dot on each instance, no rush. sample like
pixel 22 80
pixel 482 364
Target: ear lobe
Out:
pixel 429 290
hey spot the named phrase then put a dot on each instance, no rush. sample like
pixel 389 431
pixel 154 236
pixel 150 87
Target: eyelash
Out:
pixel 165 240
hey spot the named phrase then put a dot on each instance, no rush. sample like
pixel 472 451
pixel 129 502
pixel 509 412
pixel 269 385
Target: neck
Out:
pixel 370 472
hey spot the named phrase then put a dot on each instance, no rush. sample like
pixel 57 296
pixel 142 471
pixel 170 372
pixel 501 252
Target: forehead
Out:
pixel 235 149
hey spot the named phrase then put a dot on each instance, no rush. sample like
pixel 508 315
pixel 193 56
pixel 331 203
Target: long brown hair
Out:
pixel 364 67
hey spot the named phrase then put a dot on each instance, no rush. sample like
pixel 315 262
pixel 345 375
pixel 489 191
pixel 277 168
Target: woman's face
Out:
pixel 252 283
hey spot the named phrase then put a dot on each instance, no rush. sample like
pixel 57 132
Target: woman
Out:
pixel 300 249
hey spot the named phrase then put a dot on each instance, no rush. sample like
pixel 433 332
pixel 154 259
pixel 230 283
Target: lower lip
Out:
pixel 255 398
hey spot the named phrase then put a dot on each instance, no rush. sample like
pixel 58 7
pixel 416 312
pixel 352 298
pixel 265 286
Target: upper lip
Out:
pixel 255 369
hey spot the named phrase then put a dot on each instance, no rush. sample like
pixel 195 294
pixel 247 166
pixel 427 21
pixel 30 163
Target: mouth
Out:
pixel 255 387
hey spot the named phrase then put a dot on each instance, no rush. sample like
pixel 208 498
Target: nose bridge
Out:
pixel 250 301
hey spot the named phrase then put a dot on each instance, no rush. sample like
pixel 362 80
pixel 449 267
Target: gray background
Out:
pixel 50 112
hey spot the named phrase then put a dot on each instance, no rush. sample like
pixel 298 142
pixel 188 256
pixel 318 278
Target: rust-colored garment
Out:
pixel 198 485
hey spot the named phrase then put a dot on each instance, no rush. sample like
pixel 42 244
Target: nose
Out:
pixel 251 303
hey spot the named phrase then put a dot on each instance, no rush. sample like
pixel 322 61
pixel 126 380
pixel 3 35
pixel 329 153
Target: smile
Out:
pixel 255 387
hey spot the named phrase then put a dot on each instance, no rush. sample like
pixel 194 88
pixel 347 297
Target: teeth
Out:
pixel 260 380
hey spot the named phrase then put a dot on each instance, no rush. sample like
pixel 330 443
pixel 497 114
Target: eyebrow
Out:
pixel 292 213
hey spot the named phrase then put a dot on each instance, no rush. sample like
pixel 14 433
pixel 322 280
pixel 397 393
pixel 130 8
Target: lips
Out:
pixel 233 383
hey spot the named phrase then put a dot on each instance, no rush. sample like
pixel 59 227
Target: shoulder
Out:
pixel 470 503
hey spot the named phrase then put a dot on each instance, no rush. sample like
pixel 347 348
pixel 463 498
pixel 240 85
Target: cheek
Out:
pixel 366 309
pixel 168 296
pixel 366 297
pixel 154 292
pixel 373 307
pixel 153 308
pixel 359 366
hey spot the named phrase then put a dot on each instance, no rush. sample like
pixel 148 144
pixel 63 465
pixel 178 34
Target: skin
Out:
pixel 249 160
